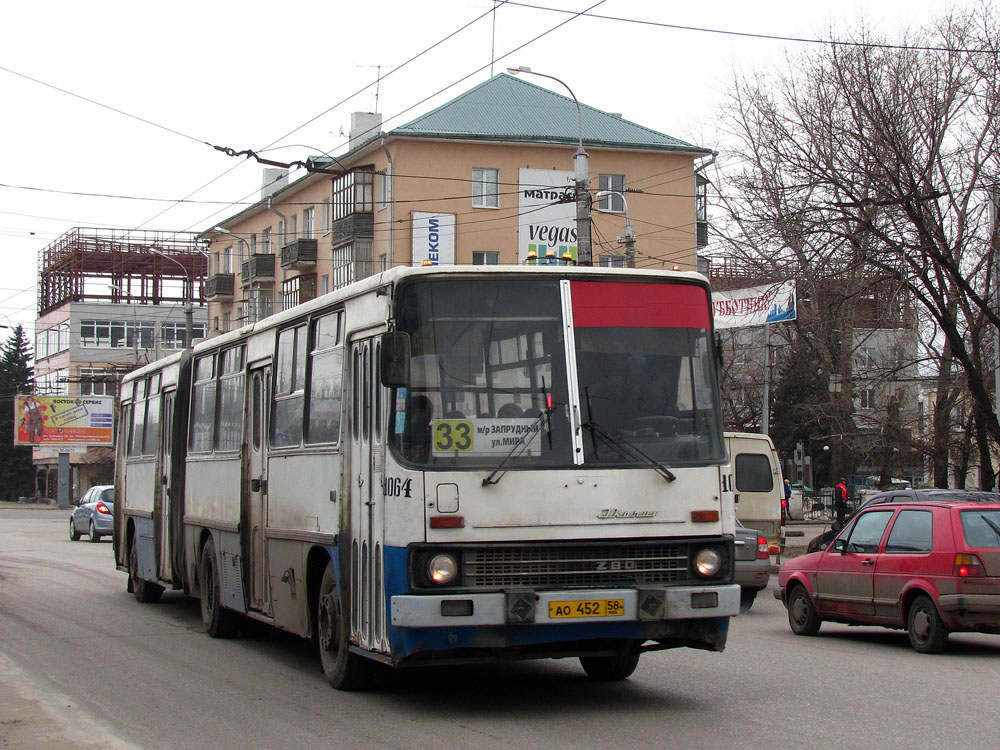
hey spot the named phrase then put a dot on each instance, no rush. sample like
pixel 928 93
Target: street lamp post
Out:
pixel 629 231
pixel 188 298
pixel 584 255
pixel 243 242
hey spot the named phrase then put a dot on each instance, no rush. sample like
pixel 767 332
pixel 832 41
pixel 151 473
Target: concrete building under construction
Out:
pixel 110 300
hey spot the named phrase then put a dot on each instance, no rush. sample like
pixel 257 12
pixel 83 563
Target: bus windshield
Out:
pixel 489 381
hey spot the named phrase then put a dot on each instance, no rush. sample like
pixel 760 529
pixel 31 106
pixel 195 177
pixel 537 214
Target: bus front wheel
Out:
pixel 617 667
pixel 343 670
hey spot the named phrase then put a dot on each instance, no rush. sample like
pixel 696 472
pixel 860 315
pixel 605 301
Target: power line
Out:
pixel 751 35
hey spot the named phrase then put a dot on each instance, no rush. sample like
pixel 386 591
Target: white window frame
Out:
pixel 308 222
pixel 485 187
pixel 486 257
pixel 612 204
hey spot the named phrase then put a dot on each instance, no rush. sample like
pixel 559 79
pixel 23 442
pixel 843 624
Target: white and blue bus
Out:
pixel 444 465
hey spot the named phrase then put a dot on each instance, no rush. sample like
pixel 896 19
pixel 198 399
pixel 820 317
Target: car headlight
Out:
pixel 707 562
pixel 442 569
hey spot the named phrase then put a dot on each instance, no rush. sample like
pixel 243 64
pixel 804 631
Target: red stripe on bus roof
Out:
pixel 622 304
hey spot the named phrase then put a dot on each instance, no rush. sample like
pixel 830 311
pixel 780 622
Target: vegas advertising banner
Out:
pixel 64 420
pixel 754 306
pixel 433 238
pixel 546 213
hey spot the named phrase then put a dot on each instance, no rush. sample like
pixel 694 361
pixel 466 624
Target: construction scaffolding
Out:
pixel 128 266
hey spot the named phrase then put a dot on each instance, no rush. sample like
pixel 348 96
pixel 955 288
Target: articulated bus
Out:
pixel 444 465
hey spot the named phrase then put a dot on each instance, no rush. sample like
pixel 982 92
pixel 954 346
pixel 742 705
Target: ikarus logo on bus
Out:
pixel 615 513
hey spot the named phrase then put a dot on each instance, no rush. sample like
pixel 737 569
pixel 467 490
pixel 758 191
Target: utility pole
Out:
pixel 581 166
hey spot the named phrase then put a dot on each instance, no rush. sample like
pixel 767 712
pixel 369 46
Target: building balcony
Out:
pixel 221 287
pixel 299 254
pixel 701 229
pixel 356 226
pixel 257 267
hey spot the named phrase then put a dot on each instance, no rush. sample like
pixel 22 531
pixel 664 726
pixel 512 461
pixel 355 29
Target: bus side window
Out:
pixel 289 393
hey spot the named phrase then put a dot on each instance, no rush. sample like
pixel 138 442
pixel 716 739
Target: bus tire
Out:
pixel 343 670
pixel 219 622
pixel 144 591
pixel 618 667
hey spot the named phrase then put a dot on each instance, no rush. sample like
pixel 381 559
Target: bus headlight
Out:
pixel 442 569
pixel 707 562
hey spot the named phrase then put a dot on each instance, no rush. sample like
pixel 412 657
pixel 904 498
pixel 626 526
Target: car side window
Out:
pixel 867 531
pixel 912 531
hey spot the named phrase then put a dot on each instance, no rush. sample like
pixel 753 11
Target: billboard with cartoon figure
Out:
pixel 64 420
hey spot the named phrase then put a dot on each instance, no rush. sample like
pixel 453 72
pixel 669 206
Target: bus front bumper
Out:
pixel 525 606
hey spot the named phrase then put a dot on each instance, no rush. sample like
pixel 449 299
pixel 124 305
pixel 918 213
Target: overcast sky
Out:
pixel 255 74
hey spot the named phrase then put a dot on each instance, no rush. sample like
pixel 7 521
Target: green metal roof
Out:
pixel 506 108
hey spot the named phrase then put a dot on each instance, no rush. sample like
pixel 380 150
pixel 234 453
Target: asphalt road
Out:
pixel 82 664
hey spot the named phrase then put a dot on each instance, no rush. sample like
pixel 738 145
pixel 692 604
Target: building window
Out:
pixel 613 203
pixel 298 289
pixel 308 222
pixel 327 215
pixel 174 335
pixel 293 228
pixel 324 284
pixel 383 262
pixel 117 334
pixel 384 190
pixel 53 383
pixel 612 261
pixel 52 341
pixel 257 304
pixel 352 262
pixel 485 258
pixel 352 194
pixel 265 241
pixel 227 322
pixel 253 243
pixel 485 188
pixel 866 398
pixel 701 199
pixel 281 233
pixel 93 381
pixel 227 260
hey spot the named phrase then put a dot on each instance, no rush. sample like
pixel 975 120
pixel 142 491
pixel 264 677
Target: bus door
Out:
pixel 164 500
pixel 255 506
pixel 367 596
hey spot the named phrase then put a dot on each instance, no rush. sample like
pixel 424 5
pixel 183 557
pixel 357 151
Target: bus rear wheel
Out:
pixel 617 667
pixel 218 621
pixel 343 670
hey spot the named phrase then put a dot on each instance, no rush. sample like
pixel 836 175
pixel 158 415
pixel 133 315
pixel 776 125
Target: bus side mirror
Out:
pixel 395 364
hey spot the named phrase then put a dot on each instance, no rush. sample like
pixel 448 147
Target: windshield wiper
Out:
pixel 616 441
pixel 518 448
pixel 630 449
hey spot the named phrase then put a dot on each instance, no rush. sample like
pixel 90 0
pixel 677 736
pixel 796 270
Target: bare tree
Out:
pixel 868 164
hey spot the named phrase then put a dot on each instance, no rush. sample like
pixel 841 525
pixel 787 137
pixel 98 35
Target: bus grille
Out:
pixel 593 565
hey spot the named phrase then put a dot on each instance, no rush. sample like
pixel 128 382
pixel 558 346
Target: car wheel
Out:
pixel 94 536
pixel 928 635
pixel 219 622
pixel 802 617
pixel 747 597
pixel 343 670
pixel 74 535
pixel 617 667
pixel 144 591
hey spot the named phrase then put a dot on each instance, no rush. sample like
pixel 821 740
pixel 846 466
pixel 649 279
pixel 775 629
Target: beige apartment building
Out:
pixel 487 178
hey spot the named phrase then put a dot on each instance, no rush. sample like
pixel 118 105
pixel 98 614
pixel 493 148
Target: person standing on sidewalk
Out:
pixel 840 501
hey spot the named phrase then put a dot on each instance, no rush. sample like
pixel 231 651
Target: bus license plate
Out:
pixel 588 608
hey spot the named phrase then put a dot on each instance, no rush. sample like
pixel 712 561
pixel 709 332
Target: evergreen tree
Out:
pixel 17 474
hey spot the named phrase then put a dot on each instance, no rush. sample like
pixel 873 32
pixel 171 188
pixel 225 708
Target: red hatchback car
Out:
pixel 931 567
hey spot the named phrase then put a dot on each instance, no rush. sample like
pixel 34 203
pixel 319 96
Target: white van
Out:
pixel 759 485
